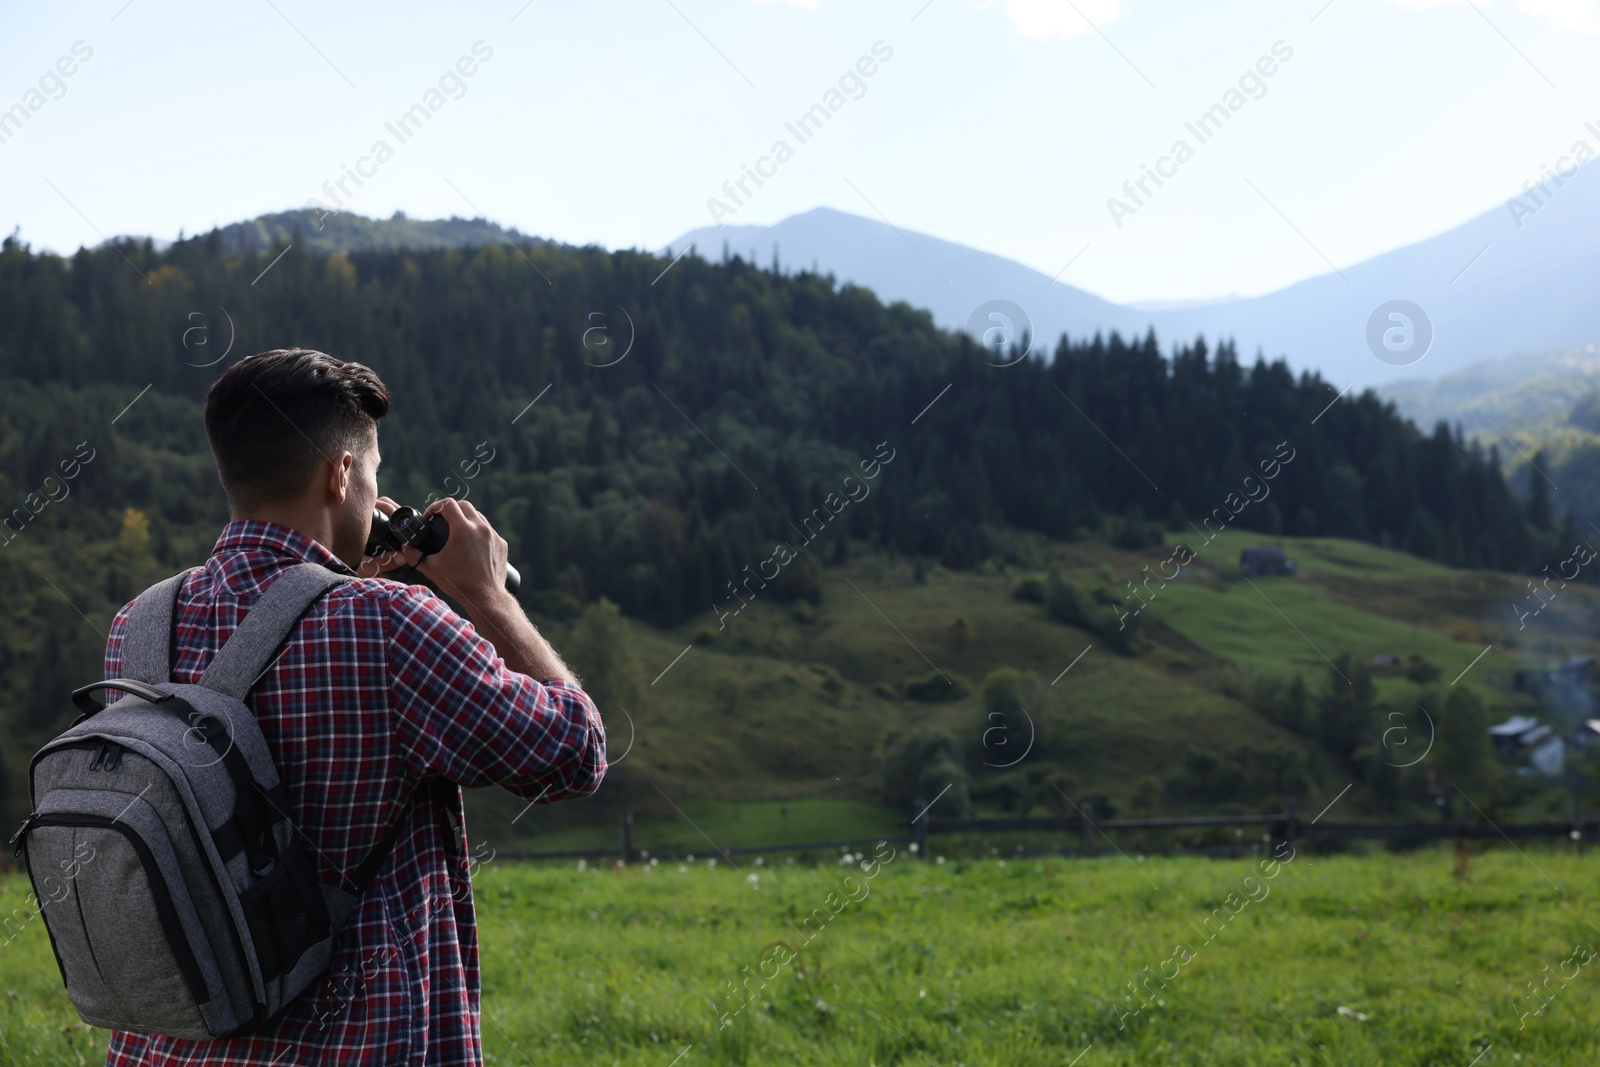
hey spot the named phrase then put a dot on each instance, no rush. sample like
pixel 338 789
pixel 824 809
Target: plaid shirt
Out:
pixel 380 687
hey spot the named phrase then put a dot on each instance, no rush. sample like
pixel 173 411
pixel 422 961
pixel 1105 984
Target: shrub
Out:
pixel 1098 806
pixel 1132 531
pixel 1067 604
pixel 920 766
pixel 833 686
pixel 1005 689
pixel 800 580
pixel 1248 773
pixel 1003 735
pixel 601 652
pixel 1421 671
pixel 555 604
pixel 1283 700
pixel 935 688
pixel 1029 589
pixel 959 633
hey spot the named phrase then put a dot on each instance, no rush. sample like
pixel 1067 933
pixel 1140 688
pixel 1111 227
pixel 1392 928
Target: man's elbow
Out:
pixel 589 766
pixel 590 775
pixel 576 774
pixel 592 763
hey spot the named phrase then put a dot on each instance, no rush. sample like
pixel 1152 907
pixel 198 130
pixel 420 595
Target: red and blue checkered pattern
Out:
pixel 381 687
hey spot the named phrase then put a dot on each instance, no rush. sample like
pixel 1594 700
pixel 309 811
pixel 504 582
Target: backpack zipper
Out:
pixel 16 841
pixel 166 913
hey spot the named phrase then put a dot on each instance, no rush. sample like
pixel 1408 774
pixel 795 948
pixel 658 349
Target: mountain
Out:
pixel 1526 398
pixel 949 280
pixel 1541 411
pixel 314 231
pixel 854 248
pixel 1490 289
pixel 1515 279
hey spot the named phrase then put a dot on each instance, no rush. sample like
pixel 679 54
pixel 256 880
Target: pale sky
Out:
pixel 1001 124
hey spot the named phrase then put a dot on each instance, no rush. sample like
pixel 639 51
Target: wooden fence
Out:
pixel 1286 826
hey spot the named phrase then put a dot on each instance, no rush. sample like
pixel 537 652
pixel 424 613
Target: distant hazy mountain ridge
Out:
pixel 1513 395
pixel 1512 280
pixel 1541 412
pixel 324 232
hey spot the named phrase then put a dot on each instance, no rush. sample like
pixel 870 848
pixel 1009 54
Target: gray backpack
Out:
pixel 177 892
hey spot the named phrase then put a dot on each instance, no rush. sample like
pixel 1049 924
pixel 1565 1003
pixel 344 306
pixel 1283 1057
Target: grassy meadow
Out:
pixel 1381 959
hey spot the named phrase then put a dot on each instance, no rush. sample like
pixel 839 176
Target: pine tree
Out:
pixel 1465 754
pixel 1539 513
pixel 1567 540
pixel 1345 707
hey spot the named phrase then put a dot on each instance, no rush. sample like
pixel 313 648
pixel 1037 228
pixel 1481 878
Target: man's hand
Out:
pixel 472 568
pixel 472 564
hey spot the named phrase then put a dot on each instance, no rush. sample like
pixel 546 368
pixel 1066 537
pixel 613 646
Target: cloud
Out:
pixel 1567 14
pixel 1061 20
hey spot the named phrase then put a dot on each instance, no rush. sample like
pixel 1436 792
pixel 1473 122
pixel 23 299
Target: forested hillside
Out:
pixel 653 477
pixel 325 232
pixel 652 432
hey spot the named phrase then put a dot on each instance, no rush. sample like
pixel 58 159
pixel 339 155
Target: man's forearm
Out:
pixel 471 567
pixel 503 623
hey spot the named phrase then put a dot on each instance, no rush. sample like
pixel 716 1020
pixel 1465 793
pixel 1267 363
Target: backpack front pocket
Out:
pixel 92 872
pixel 287 915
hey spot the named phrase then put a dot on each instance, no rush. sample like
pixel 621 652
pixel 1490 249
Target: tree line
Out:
pixel 653 434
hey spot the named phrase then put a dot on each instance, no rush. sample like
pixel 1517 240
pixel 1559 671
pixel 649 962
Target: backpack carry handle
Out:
pixel 86 703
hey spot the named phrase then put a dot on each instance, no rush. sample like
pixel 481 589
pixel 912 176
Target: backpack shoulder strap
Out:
pixel 368 870
pixel 147 635
pixel 248 651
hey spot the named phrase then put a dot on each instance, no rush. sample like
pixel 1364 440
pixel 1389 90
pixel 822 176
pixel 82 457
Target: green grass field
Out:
pixel 731 824
pixel 1242 622
pixel 976 962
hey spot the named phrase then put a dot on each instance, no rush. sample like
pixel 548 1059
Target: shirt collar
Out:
pixel 278 539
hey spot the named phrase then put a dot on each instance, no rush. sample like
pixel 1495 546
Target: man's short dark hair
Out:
pixel 273 417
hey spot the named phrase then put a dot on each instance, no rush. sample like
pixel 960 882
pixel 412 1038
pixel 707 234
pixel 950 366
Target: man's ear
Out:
pixel 339 477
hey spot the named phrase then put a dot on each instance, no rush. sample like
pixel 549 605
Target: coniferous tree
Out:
pixel 1465 754
pixel 1345 707
pixel 1539 513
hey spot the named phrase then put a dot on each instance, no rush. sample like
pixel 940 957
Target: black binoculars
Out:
pixel 427 535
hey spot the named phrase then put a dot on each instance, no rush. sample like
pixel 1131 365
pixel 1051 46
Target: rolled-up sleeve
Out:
pixel 464 715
